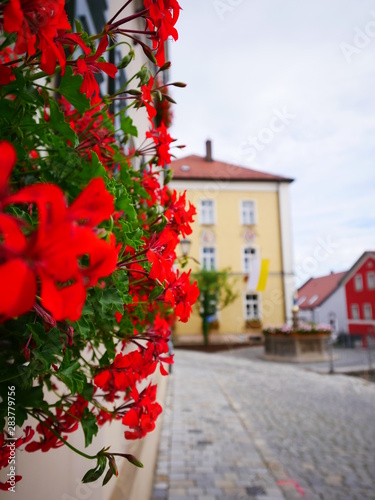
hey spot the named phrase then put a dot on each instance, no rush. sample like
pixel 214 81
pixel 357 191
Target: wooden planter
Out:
pixel 214 325
pixel 253 324
pixel 297 347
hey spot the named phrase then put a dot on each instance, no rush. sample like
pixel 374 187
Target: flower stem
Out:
pixel 84 455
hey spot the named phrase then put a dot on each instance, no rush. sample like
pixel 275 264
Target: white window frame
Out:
pixel 250 256
pixel 254 218
pixel 367 311
pixel 247 301
pixel 205 218
pixel 203 257
pixel 358 283
pixel 354 311
pixel 370 277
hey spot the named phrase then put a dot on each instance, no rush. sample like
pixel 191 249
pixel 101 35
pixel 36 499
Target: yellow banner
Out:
pixel 263 276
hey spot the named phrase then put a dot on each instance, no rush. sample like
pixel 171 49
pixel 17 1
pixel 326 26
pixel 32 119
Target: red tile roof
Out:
pixel 356 265
pixel 316 290
pixel 195 167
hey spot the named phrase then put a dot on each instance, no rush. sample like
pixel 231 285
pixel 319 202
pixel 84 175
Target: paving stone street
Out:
pixel 237 428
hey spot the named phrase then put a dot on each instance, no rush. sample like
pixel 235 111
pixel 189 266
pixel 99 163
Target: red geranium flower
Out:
pixel 180 218
pixel 162 255
pixel 88 65
pixel 36 23
pixel 181 294
pixel 146 99
pixel 5 452
pixel 163 15
pixel 53 251
pixel 141 418
pixel 162 142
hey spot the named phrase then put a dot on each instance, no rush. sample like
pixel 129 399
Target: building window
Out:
pixel 313 299
pixel 371 280
pixel 252 306
pixel 207 212
pixel 249 254
pixel 208 258
pixel 358 282
pixel 301 300
pixel 248 212
pixel 355 311
pixel 367 311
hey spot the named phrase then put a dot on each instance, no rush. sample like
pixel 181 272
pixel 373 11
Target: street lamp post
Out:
pixel 295 310
pixel 185 247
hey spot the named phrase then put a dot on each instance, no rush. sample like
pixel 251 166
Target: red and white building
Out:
pixel 346 300
pixel 359 286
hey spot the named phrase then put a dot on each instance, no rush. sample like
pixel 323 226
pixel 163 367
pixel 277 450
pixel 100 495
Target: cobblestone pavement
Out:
pixel 239 429
pixel 345 359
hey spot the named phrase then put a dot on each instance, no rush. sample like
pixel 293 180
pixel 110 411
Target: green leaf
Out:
pixel 89 426
pixel 158 290
pixel 88 392
pixel 127 126
pixel 69 374
pixel 38 331
pixel 49 348
pixel 32 397
pixel 124 202
pixel 69 88
pixel 84 327
pixel 58 123
pixel 110 299
pixel 104 360
pixel 97 167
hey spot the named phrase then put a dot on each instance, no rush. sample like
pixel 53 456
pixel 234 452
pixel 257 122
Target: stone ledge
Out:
pixel 134 483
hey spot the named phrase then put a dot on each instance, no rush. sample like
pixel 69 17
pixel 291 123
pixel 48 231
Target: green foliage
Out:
pixel 69 88
pixel 215 293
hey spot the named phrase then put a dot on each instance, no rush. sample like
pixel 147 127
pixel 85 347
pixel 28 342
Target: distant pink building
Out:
pixel 346 300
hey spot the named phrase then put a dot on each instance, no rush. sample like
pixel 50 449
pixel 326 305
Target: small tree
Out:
pixel 215 293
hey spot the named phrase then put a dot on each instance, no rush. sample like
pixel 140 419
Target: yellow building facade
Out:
pixel 243 219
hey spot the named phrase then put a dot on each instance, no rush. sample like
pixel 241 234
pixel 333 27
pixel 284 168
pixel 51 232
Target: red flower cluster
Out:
pixel 181 294
pixel 6 74
pixel 53 251
pixel 93 135
pixel 43 25
pixel 161 255
pixel 146 99
pixel 142 416
pixel 162 142
pixel 88 65
pixel 5 451
pixel 123 375
pixel 63 421
pixel 37 24
pixel 180 218
pixel 162 17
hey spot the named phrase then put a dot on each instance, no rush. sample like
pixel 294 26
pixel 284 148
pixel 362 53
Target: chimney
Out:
pixel 208 150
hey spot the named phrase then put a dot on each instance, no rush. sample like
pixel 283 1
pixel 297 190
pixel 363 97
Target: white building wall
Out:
pixel 333 309
pixel 286 248
pixel 305 315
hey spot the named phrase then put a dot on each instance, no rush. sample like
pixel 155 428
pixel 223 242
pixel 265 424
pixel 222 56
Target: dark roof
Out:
pixel 195 167
pixel 317 290
pixel 356 265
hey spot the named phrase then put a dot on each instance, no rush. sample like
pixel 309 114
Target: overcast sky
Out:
pixel 247 63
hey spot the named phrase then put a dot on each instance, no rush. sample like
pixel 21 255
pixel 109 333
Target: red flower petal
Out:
pixel 8 158
pixel 18 288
